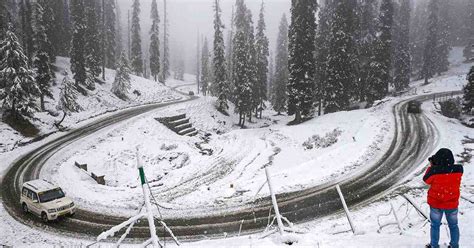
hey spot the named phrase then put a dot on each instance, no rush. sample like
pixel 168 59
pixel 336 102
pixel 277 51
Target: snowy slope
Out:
pixel 251 149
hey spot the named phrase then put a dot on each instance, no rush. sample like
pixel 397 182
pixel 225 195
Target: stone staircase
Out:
pixel 179 124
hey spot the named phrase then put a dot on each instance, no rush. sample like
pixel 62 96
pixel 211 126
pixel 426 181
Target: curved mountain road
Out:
pixel 415 137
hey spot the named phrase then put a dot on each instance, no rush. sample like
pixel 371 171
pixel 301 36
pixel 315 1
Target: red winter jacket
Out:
pixel 445 183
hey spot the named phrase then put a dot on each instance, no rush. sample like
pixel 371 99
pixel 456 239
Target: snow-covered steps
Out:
pixel 180 124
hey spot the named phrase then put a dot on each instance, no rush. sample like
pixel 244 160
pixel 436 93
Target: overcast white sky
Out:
pixel 187 16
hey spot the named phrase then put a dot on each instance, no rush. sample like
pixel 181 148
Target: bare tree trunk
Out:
pixel 297 115
pixel 42 102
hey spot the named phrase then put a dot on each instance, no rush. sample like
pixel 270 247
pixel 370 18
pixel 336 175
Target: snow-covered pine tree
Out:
pixel 68 97
pixel 367 41
pixel 110 34
pixel 240 61
pixel 468 98
pixel 56 28
pixel 44 75
pixel 443 46
pixel 3 20
pixel 92 44
pixel 220 81
pixel 418 33
pixel 384 50
pixel 251 63
pixel 205 69
pixel 341 74
pixel 279 88
pixel 26 14
pixel 301 86
pixel 270 75
pixel 429 54
pixel 229 61
pixel 155 41
pixel 121 84
pixel 78 53
pixel 469 49
pixel 323 35
pixel 262 52
pixel 180 69
pixel 402 59
pixel 136 58
pixel 48 22
pixel 20 93
pixel 166 50
pixel 118 35
pixel 198 62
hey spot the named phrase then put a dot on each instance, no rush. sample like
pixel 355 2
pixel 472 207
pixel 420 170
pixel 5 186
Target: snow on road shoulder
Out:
pixel 186 177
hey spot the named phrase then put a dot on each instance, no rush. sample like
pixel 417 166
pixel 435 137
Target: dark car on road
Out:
pixel 414 107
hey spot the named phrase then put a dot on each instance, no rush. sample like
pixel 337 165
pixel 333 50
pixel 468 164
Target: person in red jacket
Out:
pixel 444 178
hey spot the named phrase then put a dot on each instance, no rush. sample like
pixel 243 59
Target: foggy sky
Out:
pixel 186 17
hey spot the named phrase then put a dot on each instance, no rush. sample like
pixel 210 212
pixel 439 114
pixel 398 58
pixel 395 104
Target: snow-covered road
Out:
pixel 415 137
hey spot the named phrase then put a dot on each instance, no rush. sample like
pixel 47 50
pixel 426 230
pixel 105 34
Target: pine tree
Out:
pixel 270 75
pixel 58 27
pixel 110 34
pixel 402 59
pixel 220 81
pixel 78 53
pixel 68 97
pixel 19 95
pixel 429 54
pixel 301 87
pixel 229 56
pixel 367 41
pixel 418 34
pixel 251 64
pixel 443 46
pixel 180 69
pixel 92 44
pixel 26 13
pixel 155 42
pixel 241 55
pixel 468 98
pixel 166 50
pixel 3 20
pixel 323 36
pixel 469 49
pixel 44 75
pixel 136 47
pixel 262 52
pixel 279 88
pixel 384 49
pixel 205 69
pixel 121 84
pixel 341 74
pixel 53 30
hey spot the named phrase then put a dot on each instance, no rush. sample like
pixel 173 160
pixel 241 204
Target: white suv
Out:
pixel 45 200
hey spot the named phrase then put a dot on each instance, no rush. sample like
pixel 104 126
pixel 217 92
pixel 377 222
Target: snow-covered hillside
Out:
pixel 98 102
pixel 187 179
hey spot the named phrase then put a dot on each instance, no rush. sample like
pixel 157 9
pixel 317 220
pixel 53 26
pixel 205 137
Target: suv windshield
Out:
pixel 51 195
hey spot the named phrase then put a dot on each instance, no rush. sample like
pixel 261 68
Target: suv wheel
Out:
pixel 24 207
pixel 44 217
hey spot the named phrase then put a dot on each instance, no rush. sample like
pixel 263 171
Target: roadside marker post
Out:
pixel 151 222
pixel 274 202
pixel 346 209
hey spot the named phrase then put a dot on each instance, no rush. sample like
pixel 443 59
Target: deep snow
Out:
pixel 251 148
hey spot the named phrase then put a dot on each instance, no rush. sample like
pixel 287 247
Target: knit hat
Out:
pixel 443 157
